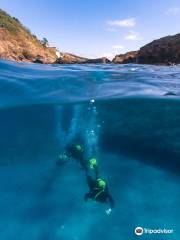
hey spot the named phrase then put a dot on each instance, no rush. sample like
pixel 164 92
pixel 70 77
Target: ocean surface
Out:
pixel 128 117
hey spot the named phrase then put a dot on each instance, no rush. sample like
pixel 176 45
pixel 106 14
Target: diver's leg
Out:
pixel 96 172
pixel 90 181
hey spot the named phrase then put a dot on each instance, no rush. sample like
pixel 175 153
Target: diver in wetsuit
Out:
pixel 77 152
pixel 98 191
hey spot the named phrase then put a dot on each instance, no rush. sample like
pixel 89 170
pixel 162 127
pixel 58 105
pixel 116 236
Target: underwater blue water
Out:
pixel 128 117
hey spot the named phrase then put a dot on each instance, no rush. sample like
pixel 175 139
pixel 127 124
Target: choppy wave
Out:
pixel 22 83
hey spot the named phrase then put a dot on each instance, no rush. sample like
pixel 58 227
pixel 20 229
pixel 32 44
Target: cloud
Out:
pixel 118 47
pixel 109 55
pixel 129 22
pixel 112 29
pixel 133 36
pixel 173 11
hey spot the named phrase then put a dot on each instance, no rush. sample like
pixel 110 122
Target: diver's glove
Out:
pixel 108 211
pixel 62 159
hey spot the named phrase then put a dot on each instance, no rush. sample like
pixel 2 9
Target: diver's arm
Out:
pixel 111 201
pixel 96 172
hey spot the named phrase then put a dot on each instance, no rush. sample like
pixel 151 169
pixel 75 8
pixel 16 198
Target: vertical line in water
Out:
pixel 92 131
pixel 75 125
pixel 63 136
pixel 83 126
pixel 60 133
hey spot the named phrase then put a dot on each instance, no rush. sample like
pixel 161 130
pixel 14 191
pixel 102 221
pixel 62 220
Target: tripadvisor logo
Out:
pixel 139 231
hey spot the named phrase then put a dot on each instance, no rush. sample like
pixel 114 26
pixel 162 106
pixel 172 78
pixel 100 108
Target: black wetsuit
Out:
pixel 72 151
pixel 97 193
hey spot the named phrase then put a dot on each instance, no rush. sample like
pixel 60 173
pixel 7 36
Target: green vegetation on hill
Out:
pixel 13 25
pixel 18 43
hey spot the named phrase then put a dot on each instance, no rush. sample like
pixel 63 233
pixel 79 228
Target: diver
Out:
pixel 93 166
pixel 73 151
pixel 77 152
pixel 98 191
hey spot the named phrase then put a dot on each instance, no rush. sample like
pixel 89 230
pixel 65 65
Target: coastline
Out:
pixel 17 43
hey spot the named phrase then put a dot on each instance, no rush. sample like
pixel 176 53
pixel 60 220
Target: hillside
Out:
pixel 68 58
pixel 165 51
pixel 17 43
pixel 162 51
pixel 129 57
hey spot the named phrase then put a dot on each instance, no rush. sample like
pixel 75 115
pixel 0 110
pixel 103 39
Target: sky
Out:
pixel 96 28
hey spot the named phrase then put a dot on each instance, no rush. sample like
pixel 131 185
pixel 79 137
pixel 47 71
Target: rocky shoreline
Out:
pixel 129 57
pixel 67 58
pixel 164 51
pixel 17 43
